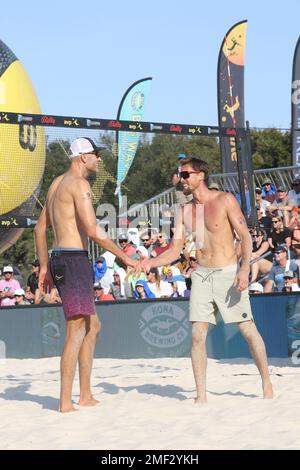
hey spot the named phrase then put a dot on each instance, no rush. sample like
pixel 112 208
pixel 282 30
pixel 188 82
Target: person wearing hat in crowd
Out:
pixel 291 283
pixel 19 296
pixel 268 191
pixel 142 290
pixel 69 211
pixel 127 247
pixel 100 268
pixel 275 280
pixel 282 205
pixel 256 288
pixel 8 285
pixel 100 295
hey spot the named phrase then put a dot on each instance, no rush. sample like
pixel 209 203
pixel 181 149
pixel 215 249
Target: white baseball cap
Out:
pixel 8 269
pixel 83 145
pixel 19 292
pixel 256 286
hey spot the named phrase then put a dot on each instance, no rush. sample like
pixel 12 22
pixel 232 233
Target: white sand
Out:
pixel 148 404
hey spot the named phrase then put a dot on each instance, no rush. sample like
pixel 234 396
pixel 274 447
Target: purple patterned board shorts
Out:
pixel 73 276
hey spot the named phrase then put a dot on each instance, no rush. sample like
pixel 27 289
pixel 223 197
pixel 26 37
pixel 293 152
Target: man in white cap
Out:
pixel 8 285
pixel 69 211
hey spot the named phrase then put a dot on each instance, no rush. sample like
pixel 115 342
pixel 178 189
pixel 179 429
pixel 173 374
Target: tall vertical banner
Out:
pixel 131 108
pixel 231 91
pixel 296 107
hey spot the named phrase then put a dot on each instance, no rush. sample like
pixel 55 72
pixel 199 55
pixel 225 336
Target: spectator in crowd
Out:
pixel 275 280
pixel 279 234
pixel 130 281
pixel 163 245
pixel 180 197
pixel 117 289
pixel 260 246
pixel 158 287
pixel 33 279
pixel 172 274
pixel 256 288
pixel 294 194
pixel 188 282
pixel 190 267
pixel 147 241
pixel 175 292
pixel 142 252
pixel 282 205
pixel 268 191
pixel 294 227
pixel 20 299
pixel 125 246
pixel 100 268
pixel 264 223
pixel 41 297
pixel 100 296
pixel 8 285
pixel 291 283
pixel 142 290
pixel 263 204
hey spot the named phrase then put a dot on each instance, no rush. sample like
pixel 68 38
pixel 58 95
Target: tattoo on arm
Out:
pixel 241 220
pixel 87 195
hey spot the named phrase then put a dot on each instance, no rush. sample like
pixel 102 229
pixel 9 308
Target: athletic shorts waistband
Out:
pixel 231 267
pixel 68 252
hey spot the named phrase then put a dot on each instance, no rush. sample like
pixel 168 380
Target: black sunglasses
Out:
pixel 145 239
pixel 186 174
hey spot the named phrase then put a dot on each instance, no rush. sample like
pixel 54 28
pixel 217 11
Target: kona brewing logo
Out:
pixel 164 325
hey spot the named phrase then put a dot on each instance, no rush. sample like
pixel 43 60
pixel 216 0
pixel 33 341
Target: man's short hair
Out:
pixel 197 164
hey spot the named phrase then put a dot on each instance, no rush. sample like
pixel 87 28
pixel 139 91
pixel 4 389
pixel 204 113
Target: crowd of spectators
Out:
pixel 274 265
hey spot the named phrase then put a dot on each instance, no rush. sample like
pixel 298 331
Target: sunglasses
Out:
pixel 123 241
pixel 145 239
pixel 275 221
pixel 186 174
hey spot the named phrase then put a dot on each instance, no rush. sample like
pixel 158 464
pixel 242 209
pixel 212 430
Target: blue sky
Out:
pixel 82 56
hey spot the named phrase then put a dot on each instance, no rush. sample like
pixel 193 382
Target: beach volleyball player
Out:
pixel 69 211
pixel 219 282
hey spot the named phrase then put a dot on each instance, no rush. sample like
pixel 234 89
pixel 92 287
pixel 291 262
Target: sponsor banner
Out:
pixel 116 125
pixel 132 107
pixel 231 92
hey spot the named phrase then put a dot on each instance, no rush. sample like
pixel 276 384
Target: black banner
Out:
pixel 231 92
pixel 115 125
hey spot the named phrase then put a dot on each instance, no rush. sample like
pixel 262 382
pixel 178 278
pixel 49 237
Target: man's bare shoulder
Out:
pixel 226 198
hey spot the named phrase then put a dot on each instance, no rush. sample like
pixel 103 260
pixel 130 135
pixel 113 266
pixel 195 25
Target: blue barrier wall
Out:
pixel 157 328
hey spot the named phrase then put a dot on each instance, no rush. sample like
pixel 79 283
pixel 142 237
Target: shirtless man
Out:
pixel 69 211
pixel 218 282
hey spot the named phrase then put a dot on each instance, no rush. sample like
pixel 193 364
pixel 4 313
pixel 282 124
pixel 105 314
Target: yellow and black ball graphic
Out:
pixel 22 146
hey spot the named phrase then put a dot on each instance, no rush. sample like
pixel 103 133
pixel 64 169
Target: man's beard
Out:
pixel 187 191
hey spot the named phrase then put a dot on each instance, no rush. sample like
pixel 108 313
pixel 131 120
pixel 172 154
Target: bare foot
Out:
pixel 268 390
pixel 88 402
pixel 200 400
pixel 67 409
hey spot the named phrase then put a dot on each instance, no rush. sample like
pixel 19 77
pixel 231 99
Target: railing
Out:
pixel 282 176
